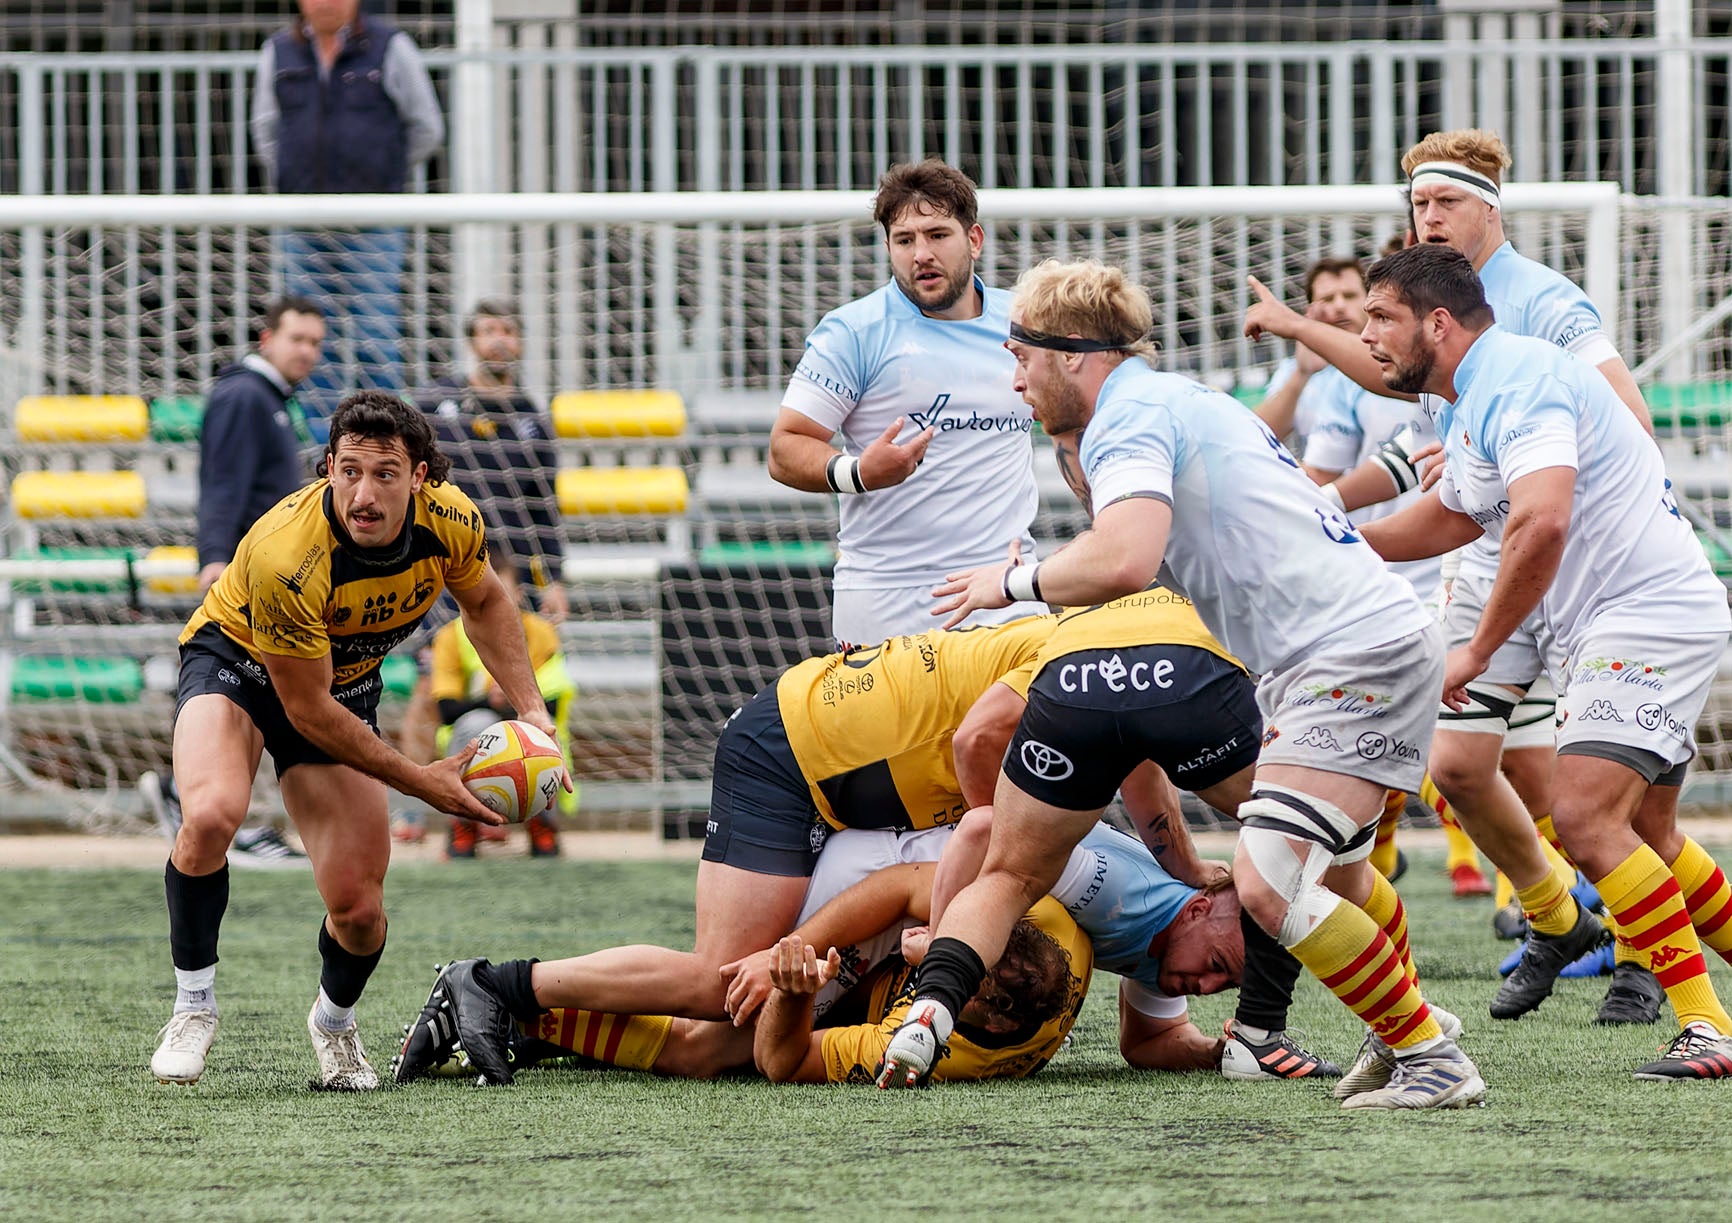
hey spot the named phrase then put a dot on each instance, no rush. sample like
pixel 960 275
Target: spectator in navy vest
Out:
pixel 342 105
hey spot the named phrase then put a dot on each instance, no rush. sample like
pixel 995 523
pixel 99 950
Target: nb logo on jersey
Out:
pixel 1337 528
pixel 1047 763
pixel 378 609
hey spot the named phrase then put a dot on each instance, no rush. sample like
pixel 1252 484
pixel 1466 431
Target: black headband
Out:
pixel 1061 343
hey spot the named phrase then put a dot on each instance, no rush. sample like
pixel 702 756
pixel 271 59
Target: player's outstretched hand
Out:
pixel 1462 667
pixel 796 969
pixel 1268 316
pixel 442 787
pixel 748 982
pixel 965 592
pixel 884 464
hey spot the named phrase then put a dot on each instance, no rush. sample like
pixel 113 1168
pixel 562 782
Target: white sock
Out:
pixel 1257 1036
pixel 331 1017
pixel 195 990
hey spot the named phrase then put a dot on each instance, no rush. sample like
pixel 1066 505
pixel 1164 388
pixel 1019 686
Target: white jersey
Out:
pixel 1276 572
pixel 1351 423
pixel 1310 399
pixel 879 357
pixel 1528 298
pixel 1631 564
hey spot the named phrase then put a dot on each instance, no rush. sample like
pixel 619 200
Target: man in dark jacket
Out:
pixel 249 459
pixel 250 445
pixel 343 104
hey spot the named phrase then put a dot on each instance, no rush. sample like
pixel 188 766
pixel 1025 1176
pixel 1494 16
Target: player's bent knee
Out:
pixel 1274 819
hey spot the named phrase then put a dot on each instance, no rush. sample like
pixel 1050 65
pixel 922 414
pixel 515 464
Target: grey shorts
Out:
pixel 1368 714
pixel 1637 701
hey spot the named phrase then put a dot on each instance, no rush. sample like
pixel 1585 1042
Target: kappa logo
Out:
pixel 1390 1024
pixel 1318 738
pixel 1662 956
pixel 1601 710
pixel 1047 763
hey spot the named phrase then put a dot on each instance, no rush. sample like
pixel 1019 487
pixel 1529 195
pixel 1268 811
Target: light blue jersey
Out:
pixel 1631 564
pixel 1116 891
pixel 1528 298
pixel 1277 573
pixel 879 357
pixel 1350 423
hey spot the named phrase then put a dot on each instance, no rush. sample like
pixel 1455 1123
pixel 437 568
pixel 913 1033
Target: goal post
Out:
pixel 694 579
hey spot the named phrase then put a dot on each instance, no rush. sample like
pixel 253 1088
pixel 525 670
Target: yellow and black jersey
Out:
pixel 298 587
pixel 852 1054
pixel 1156 616
pixel 871 728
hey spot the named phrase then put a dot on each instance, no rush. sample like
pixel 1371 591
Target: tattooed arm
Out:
pixel 1068 447
pixel 1152 802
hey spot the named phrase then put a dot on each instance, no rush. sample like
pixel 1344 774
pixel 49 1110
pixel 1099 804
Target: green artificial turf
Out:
pixel 85 1132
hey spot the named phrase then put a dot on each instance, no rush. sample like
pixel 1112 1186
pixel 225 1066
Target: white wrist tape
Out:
pixel 843 474
pixel 1332 495
pixel 1022 583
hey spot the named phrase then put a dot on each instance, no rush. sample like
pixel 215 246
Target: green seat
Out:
pixel 397 673
pixel 760 554
pixel 1689 405
pixel 1717 557
pixel 177 418
pixel 99 681
pixel 34 585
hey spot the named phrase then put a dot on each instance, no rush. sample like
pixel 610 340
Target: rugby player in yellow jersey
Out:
pixel 283 656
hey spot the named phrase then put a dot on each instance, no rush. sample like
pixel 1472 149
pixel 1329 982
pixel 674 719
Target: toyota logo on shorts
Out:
pixel 1047 763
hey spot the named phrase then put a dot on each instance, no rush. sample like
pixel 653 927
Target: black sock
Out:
pixel 511 982
pixel 951 973
pixel 344 974
pixel 196 904
pixel 1271 972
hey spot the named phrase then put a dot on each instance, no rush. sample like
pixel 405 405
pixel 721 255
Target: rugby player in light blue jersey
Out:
pixel 1453 190
pixel 1188 486
pixel 1543 458
pixel 936 470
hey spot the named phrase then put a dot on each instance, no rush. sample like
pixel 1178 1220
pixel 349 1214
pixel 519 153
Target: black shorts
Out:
pixel 762 818
pixel 210 662
pixel 1095 715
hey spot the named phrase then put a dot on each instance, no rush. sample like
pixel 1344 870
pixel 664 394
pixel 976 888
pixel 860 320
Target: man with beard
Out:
pixel 936 471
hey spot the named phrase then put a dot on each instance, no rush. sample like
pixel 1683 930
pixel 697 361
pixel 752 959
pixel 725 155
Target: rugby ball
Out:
pixel 517 771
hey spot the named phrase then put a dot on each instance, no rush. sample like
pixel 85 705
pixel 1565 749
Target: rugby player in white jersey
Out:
pixel 1454 180
pixel 936 470
pixel 1541 456
pixel 1187 486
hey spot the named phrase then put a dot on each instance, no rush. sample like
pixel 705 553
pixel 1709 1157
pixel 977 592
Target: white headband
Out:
pixel 1453 174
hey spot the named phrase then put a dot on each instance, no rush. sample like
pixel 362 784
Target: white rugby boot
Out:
pixel 186 1039
pixel 343 1064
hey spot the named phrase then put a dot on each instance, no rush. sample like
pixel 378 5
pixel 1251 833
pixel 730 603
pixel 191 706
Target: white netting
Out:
pixel 701 579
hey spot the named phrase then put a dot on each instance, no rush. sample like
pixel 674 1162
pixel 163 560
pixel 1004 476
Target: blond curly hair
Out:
pixel 1480 151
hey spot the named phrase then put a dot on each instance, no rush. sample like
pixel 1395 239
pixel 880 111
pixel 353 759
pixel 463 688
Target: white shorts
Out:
pixel 848 856
pixel 1637 701
pixel 866 617
pixel 1369 714
pixel 1519 661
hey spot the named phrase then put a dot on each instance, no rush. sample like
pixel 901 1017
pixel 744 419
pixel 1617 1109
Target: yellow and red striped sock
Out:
pixel 1649 906
pixel 1459 847
pixel 1548 904
pixel 1623 951
pixel 1549 834
pixel 1359 965
pixel 631 1041
pixel 1707 896
pixel 1384 907
pixel 1383 853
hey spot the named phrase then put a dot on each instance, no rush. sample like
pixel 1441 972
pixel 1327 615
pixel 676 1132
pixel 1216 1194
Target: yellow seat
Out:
pixel 622 490
pixel 82 418
pixel 78 494
pixel 624 413
pixel 187 585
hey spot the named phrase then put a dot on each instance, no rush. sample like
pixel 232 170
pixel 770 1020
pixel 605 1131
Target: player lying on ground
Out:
pixel 283 656
pixel 860 739
pixel 1183 938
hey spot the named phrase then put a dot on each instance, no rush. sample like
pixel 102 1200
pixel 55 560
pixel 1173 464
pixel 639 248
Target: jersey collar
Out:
pixel 393 553
pixel 917 312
